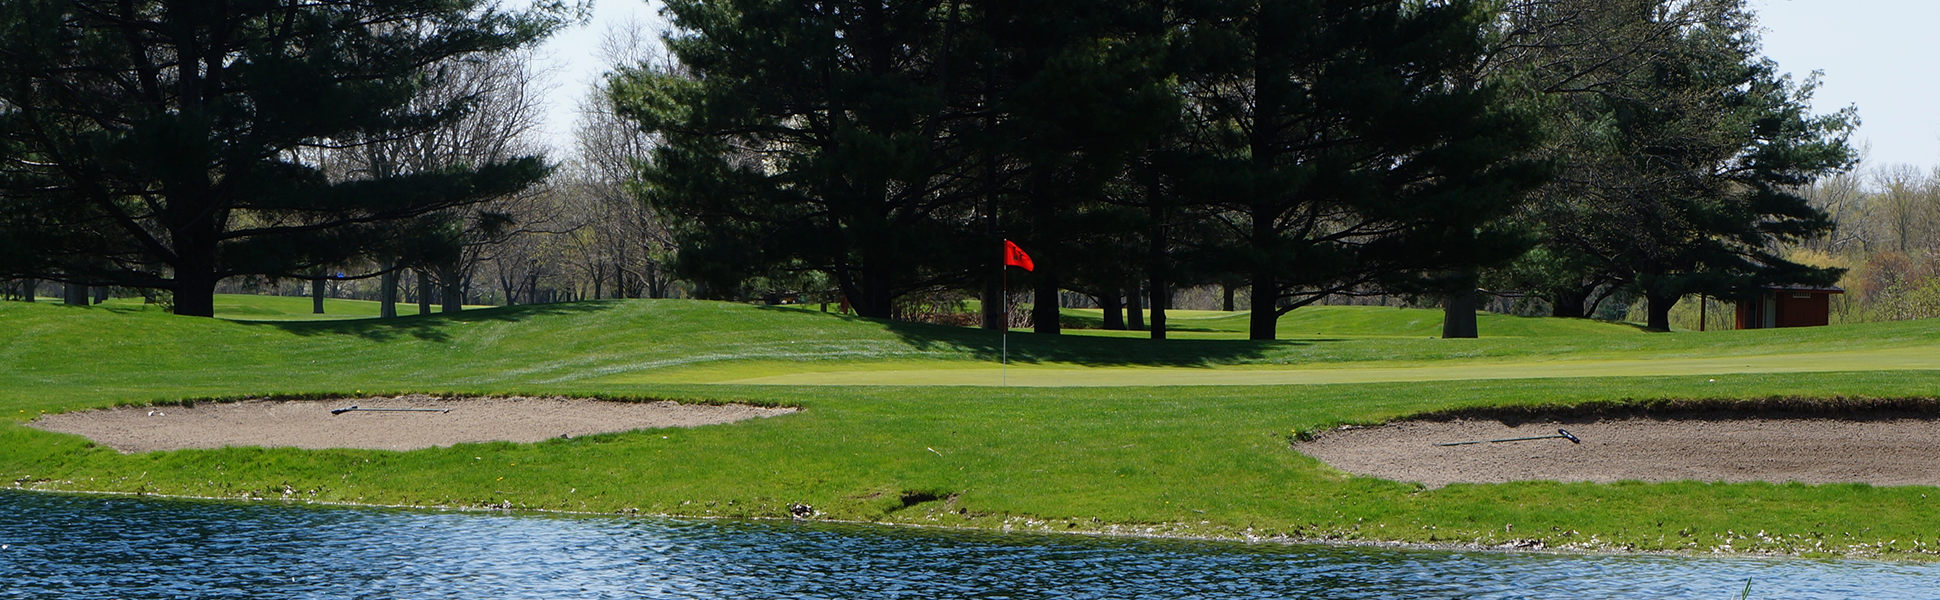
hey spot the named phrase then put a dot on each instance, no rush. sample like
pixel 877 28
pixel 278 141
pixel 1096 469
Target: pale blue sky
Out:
pixel 1876 54
pixel 577 65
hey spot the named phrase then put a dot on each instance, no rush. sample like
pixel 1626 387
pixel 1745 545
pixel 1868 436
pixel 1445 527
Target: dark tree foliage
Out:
pixel 1078 90
pixel 1555 56
pixel 811 137
pixel 1335 141
pixel 1342 148
pixel 1685 153
pixel 155 143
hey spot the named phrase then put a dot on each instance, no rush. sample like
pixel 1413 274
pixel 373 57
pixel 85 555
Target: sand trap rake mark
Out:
pixel 354 408
pixel 1560 433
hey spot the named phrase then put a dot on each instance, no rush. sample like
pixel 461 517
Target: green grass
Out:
pixel 1349 321
pixel 281 308
pixel 1186 460
pixel 962 374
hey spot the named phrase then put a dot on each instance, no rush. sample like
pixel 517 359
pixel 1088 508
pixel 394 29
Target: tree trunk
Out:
pixel 1264 322
pixel 1044 311
pixel 1161 296
pixel 316 296
pixel 1569 303
pixel 1227 303
pixel 993 305
pixel 1135 308
pixel 996 299
pixel 452 290
pixel 655 289
pixel 873 299
pixel 1114 307
pixel 195 290
pixel 100 294
pixel 74 294
pixel 1458 315
pixel 197 269
pixel 387 291
pixel 1044 214
pixel 27 289
pixel 1659 308
pixel 1155 261
pixel 424 293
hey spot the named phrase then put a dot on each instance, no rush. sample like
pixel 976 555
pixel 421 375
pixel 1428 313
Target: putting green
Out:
pixel 1895 359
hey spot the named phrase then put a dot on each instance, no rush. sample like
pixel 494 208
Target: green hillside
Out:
pixel 1354 321
pixel 60 354
pixel 244 307
pixel 1210 459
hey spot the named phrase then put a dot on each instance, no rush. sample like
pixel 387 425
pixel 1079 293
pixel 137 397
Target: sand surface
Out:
pixel 1880 448
pixel 309 423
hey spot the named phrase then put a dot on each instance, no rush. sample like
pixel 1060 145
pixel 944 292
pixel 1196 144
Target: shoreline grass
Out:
pixel 1205 461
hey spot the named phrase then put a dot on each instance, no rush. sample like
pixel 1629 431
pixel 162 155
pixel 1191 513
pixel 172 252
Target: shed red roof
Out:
pixel 1828 289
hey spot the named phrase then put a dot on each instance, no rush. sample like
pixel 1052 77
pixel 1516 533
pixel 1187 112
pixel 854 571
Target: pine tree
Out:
pixel 1081 92
pixel 158 142
pixel 1685 151
pixel 810 137
pixel 1343 149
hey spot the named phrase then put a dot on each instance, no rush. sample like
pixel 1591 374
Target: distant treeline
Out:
pixel 1563 156
pixel 1569 151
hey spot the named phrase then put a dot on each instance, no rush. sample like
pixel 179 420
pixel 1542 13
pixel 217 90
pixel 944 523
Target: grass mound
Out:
pixel 60 355
pixel 1205 460
pixel 244 307
pixel 1354 321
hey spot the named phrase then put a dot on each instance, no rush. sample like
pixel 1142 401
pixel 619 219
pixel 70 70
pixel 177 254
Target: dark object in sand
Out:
pixel 345 410
pixel 1560 433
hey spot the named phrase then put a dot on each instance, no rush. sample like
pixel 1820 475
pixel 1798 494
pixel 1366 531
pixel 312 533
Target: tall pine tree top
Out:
pixel 155 143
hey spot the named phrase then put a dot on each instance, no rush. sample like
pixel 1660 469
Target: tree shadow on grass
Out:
pixel 431 327
pixel 1030 348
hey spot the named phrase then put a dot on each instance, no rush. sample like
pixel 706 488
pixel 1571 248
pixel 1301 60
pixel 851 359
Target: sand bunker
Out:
pixel 310 424
pixel 1879 448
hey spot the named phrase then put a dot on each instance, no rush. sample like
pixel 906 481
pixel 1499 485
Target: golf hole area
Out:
pixel 407 422
pixel 1879 447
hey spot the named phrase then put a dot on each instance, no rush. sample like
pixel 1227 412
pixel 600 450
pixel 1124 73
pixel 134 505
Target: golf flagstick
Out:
pixel 1013 255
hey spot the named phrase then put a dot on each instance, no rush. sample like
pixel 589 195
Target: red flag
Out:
pixel 1015 256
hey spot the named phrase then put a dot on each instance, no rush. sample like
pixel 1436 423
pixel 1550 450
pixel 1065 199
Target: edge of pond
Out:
pixel 1123 531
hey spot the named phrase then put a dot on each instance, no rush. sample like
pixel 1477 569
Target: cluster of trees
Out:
pixel 1560 152
pixel 1566 150
pixel 1887 238
pixel 170 146
pixel 386 151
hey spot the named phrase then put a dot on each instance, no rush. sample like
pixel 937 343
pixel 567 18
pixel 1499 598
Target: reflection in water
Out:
pixel 99 547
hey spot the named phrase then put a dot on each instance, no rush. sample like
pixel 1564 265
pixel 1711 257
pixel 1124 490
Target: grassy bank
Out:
pixel 1198 460
pixel 283 308
pixel 1349 321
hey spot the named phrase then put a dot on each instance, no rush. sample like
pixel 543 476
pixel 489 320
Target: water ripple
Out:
pixel 83 546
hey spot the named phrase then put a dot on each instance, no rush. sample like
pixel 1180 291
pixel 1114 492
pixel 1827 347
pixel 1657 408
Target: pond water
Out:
pixel 111 547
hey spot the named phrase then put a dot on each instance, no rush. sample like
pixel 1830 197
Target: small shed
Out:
pixel 1788 306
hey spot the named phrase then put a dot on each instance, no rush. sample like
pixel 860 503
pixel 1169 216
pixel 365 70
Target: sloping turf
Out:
pixel 1205 460
pixel 67 354
pixel 1350 321
pixel 241 307
pixel 1897 359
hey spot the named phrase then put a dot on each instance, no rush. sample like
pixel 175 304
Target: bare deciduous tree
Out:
pixel 503 94
pixel 618 245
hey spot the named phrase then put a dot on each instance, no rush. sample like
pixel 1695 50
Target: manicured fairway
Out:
pixel 1188 460
pixel 1351 321
pixel 1898 359
pixel 284 308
